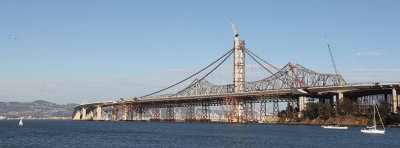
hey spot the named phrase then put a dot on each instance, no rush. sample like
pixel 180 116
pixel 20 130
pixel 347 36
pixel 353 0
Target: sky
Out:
pixel 71 51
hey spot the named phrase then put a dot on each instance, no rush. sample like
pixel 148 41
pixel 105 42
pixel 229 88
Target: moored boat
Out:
pixel 334 127
pixel 373 129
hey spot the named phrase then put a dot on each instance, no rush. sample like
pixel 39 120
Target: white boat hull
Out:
pixel 372 131
pixel 335 127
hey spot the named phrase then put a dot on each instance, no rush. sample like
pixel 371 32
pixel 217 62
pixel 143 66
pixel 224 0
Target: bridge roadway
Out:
pixel 96 111
pixel 350 89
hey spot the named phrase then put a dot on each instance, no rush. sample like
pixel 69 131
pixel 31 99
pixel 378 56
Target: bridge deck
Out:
pixel 312 92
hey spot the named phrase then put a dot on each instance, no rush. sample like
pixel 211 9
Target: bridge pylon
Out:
pixel 238 62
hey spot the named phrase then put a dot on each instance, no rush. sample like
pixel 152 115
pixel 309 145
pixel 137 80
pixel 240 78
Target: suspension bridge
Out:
pixel 241 101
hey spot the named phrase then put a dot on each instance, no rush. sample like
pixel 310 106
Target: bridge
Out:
pixel 242 101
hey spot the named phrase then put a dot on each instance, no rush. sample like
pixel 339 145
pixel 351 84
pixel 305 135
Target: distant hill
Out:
pixel 35 109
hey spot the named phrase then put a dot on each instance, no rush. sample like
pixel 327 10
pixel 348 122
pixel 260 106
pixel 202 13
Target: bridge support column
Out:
pixel 275 108
pixel 190 112
pixel 170 114
pixel 125 118
pixel 340 97
pixel 83 112
pixel 395 100
pixel 339 100
pixel 232 111
pixel 177 113
pixel 155 113
pixel 240 111
pixel 248 112
pixel 77 114
pixel 263 109
pixel 90 115
pixel 98 113
pixel 114 114
pixel 205 112
pixel 302 103
pixel 140 113
pixel 106 114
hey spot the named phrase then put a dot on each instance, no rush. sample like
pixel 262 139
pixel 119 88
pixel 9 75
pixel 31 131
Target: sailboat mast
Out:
pixel 380 118
pixel 374 118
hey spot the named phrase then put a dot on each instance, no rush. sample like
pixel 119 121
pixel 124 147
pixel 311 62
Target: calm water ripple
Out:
pixel 53 133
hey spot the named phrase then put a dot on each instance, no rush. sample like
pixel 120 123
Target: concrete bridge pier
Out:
pixel 125 117
pixel 77 114
pixel 83 112
pixel 106 115
pixel 302 103
pixel 240 111
pixel 114 114
pixel 98 113
pixel 90 115
pixel 394 100
pixel 339 98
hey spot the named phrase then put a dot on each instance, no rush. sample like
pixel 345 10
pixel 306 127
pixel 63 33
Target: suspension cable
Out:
pixel 248 51
pixel 189 76
pixel 231 51
pixel 290 85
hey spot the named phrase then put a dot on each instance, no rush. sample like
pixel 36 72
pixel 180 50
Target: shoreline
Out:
pixel 37 119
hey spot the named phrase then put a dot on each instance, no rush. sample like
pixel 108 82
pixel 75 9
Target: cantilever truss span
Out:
pixel 306 77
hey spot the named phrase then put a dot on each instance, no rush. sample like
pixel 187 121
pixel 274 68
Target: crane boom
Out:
pixel 330 52
pixel 235 31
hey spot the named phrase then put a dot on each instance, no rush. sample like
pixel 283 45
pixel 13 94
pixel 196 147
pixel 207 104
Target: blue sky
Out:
pixel 71 51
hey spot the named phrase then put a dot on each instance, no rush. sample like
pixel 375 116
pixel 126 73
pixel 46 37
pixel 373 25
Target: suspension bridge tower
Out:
pixel 238 71
pixel 238 62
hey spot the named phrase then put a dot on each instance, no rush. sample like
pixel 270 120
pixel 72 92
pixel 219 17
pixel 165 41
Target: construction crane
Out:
pixel 330 52
pixel 236 31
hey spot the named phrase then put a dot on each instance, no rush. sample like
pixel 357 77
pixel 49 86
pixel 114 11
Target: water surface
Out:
pixel 57 133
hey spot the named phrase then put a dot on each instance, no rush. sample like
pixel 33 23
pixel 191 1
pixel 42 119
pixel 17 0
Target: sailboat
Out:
pixel 373 130
pixel 20 123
